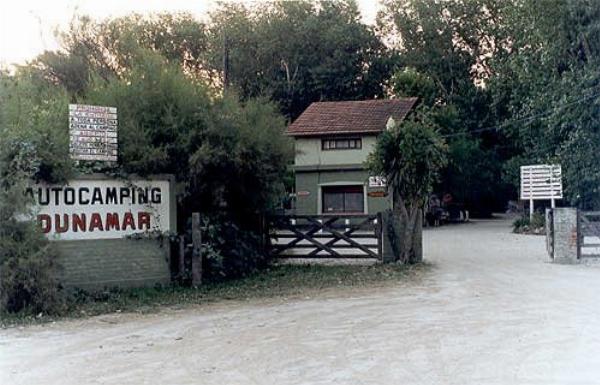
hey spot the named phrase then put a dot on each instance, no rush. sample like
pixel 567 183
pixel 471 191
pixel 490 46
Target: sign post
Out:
pixel 93 132
pixel 542 181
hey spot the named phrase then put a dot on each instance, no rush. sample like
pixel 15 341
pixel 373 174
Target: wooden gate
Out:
pixel 325 236
pixel 589 232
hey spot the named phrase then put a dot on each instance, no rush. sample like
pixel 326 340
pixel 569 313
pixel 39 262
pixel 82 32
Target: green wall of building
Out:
pixel 311 181
pixel 309 152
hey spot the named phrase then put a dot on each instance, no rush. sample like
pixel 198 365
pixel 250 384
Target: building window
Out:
pixel 342 144
pixel 343 199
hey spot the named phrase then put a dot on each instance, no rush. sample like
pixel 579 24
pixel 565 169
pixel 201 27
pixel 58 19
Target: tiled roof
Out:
pixel 326 118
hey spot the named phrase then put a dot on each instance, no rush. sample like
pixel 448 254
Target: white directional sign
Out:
pixel 93 132
pixel 542 181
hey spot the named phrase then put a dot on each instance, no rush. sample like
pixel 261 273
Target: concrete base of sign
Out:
pixel 106 263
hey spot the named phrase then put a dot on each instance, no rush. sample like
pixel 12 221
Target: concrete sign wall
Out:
pixel 97 208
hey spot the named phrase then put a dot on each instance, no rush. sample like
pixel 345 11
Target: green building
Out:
pixel 333 140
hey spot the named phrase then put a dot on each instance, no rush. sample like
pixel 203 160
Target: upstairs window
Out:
pixel 342 144
pixel 343 200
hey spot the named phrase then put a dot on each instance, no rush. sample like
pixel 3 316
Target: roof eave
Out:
pixel 328 133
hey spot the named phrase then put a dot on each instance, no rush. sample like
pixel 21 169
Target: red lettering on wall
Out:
pixel 62 223
pixel 65 226
pixel 128 221
pixel 45 222
pixel 79 222
pixel 112 221
pixel 96 222
pixel 143 221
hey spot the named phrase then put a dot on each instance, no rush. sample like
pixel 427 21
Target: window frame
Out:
pixel 357 188
pixel 353 143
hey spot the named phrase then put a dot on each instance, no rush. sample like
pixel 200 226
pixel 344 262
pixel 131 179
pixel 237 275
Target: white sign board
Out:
pixel 377 181
pixel 93 132
pixel 542 181
pixel 103 209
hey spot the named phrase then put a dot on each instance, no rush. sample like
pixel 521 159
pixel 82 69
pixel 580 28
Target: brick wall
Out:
pixel 96 264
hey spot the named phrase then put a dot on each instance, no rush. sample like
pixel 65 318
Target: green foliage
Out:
pixel 171 123
pixel 534 225
pixel 28 270
pixel 223 261
pixel 245 144
pixel 444 49
pixel 162 115
pixel 551 70
pixel 297 52
pixel 291 52
pixel 411 83
pixel 32 119
pixel 28 267
pixel 110 48
pixel 230 158
pixel 410 155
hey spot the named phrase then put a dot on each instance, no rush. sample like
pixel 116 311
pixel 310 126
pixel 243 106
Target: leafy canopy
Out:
pixel 410 155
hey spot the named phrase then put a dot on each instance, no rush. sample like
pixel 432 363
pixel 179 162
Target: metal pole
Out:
pixel 531 209
pixel 530 193
pixel 552 203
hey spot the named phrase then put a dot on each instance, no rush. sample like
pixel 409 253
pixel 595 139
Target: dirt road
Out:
pixel 490 312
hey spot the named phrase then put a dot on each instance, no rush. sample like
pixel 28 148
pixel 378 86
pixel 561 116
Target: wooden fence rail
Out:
pixel 325 236
pixel 589 228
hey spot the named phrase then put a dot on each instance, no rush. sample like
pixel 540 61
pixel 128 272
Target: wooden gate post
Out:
pixel 181 260
pixel 196 250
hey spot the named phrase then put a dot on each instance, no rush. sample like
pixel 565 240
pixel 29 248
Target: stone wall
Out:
pixel 565 229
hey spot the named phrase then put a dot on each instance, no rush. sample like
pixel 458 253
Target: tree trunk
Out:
pixel 405 234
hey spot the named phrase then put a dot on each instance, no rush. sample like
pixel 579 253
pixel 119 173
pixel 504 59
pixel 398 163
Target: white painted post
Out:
pixel 552 202
pixel 530 194
pixel 530 209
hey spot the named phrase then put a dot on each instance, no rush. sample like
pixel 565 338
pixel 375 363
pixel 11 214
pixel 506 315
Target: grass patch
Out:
pixel 276 281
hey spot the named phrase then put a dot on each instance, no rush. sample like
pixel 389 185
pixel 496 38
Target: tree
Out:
pixel 444 50
pixel 298 52
pixel 410 156
pixel 31 147
pixel 109 48
pixel 549 83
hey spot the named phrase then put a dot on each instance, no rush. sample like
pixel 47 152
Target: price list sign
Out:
pixel 93 132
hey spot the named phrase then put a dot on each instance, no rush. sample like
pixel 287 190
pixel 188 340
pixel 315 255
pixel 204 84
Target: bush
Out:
pixel 231 252
pixel 534 225
pixel 28 270
pixel 28 267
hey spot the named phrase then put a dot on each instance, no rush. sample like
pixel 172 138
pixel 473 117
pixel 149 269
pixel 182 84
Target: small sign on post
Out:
pixel 377 181
pixel 93 132
pixel 541 182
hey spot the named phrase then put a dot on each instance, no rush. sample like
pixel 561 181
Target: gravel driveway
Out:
pixel 491 311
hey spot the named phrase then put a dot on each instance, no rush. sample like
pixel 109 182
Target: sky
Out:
pixel 26 26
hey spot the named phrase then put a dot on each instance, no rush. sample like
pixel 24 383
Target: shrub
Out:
pixel 526 225
pixel 28 267
pixel 231 252
pixel 28 270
